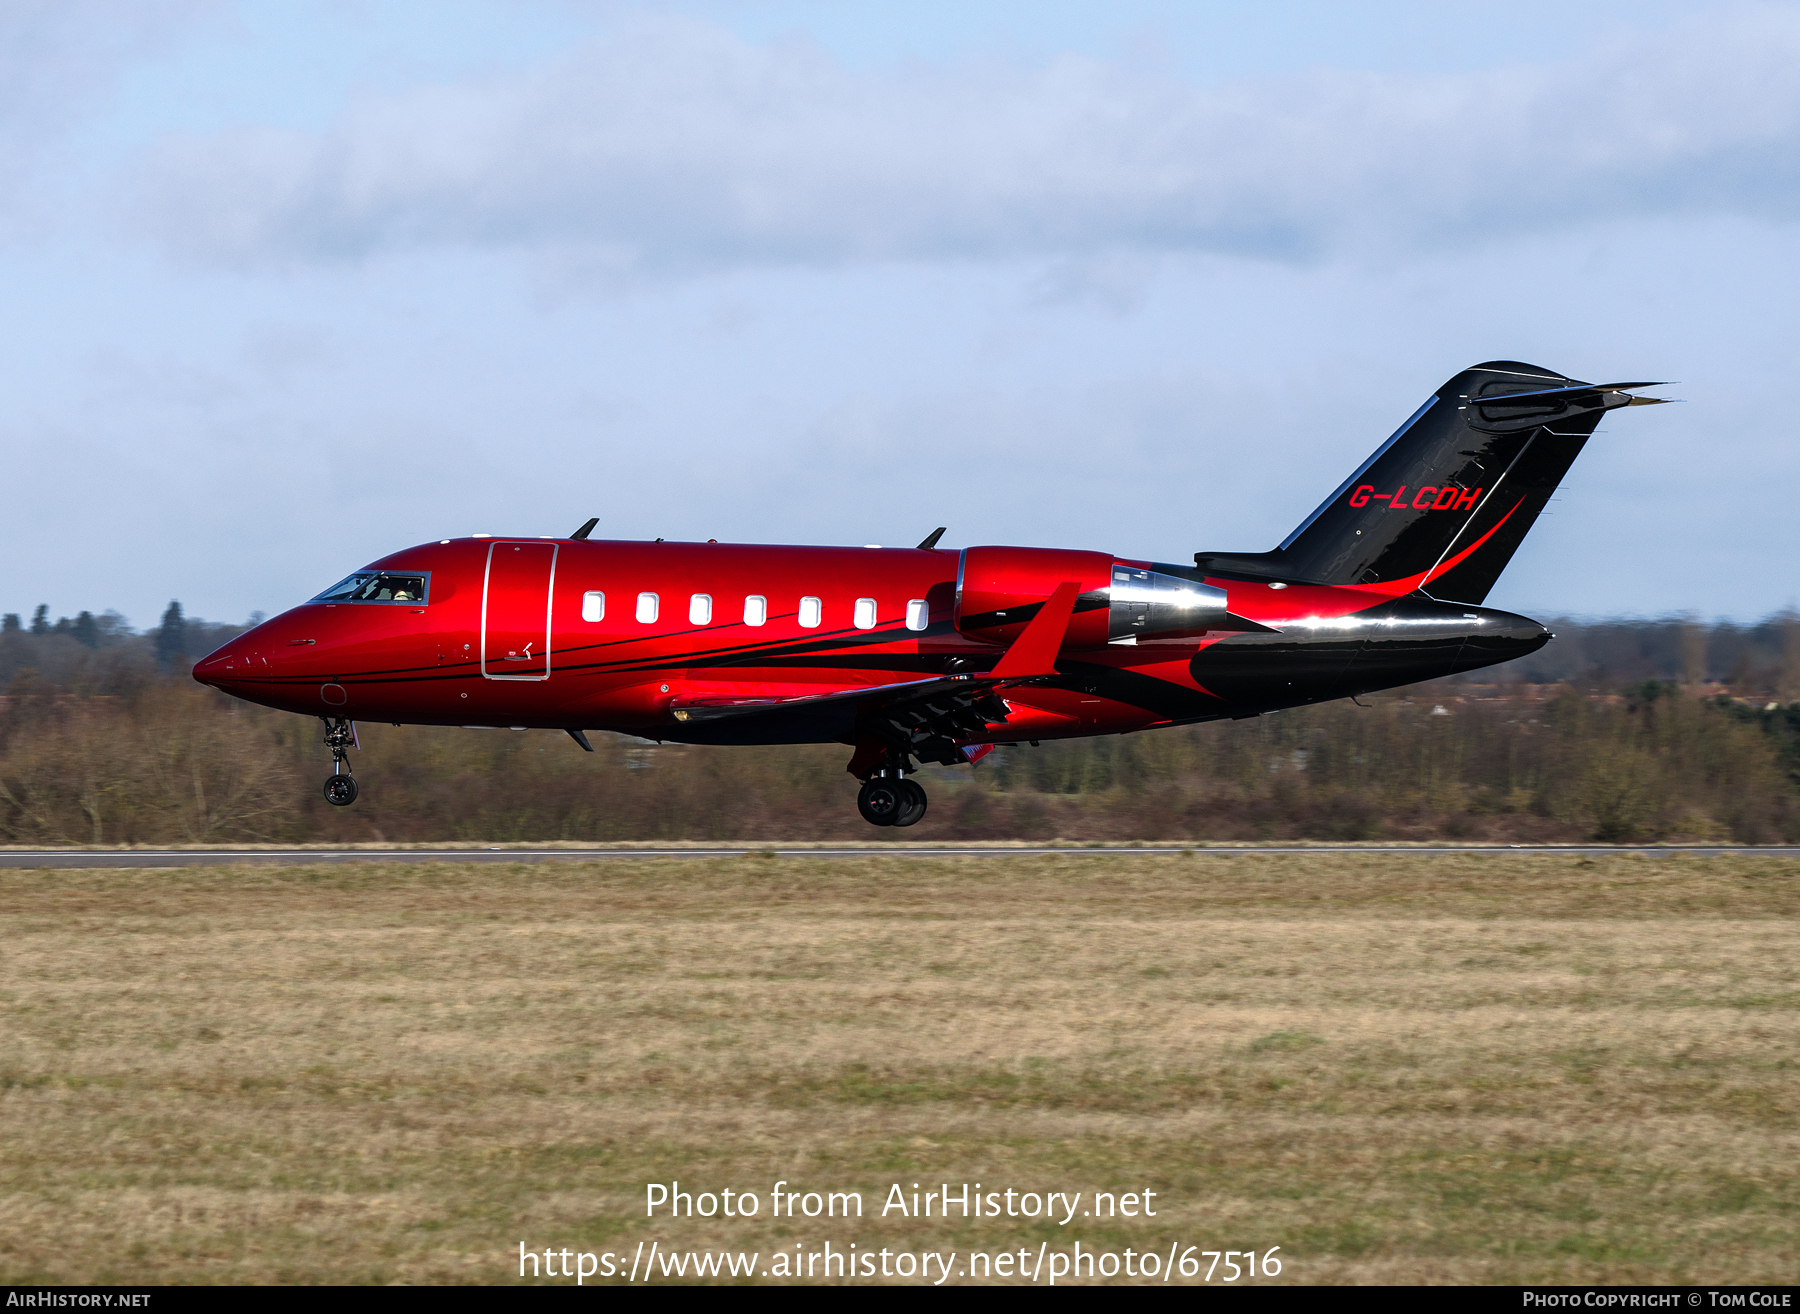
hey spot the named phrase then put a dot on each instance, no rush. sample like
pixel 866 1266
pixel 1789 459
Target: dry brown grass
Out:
pixel 1447 1068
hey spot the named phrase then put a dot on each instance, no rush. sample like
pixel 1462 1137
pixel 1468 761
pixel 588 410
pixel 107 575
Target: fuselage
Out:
pixel 919 655
pixel 632 636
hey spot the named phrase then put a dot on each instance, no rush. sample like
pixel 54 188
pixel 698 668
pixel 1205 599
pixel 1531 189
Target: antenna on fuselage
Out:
pixel 586 529
pixel 931 539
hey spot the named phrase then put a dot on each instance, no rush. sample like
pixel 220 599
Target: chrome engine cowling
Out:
pixel 1148 604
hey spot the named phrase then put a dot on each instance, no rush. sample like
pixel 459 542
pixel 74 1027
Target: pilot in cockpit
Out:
pixel 373 586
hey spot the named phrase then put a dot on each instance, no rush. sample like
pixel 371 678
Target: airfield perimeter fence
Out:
pixel 1621 731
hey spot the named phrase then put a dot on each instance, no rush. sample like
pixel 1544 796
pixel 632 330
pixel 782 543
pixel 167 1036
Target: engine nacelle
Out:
pixel 1000 589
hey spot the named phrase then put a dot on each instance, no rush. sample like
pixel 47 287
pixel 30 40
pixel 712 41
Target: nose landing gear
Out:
pixel 340 734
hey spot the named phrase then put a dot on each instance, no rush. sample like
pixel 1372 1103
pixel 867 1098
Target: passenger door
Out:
pixel 515 611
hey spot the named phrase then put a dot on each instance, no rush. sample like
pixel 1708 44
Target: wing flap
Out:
pixel 694 710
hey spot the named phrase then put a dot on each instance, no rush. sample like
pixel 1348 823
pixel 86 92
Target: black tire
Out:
pixel 340 791
pixel 912 808
pixel 880 801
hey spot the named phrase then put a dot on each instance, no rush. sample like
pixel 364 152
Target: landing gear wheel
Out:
pixel 340 737
pixel 912 806
pixel 880 801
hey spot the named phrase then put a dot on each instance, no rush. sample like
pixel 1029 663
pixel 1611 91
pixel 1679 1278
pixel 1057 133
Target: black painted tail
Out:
pixel 1443 504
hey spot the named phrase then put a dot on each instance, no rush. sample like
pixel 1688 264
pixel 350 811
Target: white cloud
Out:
pixel 58 59
pixel 671 145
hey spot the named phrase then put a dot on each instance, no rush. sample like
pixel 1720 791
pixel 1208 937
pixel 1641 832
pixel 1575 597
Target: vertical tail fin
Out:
pixel 1443 504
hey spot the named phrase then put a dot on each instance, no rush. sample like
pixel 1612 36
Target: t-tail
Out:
pixel 1441 506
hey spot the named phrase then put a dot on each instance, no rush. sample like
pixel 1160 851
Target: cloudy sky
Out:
pixel 290 285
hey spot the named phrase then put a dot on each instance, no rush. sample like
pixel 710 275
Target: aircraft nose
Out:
pixel 262 650
pixel 233 659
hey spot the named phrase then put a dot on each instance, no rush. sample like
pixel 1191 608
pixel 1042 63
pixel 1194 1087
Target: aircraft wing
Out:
pixel 696 710
pixel 928 716
pixel 1032 656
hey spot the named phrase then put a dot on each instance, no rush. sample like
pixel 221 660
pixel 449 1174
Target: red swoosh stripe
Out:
pixel 1395 587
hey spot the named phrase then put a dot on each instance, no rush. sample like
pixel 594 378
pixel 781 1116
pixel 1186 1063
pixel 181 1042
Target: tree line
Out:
pixel 1635 730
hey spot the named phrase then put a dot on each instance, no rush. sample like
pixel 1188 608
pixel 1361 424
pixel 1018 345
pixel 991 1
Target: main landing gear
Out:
pixel 890 799
pixel 887 797
pixel 340 734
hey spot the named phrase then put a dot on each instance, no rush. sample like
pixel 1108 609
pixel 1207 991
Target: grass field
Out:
pixel 1456 1068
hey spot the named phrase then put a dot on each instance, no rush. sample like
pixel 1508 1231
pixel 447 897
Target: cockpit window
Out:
pixel 377 586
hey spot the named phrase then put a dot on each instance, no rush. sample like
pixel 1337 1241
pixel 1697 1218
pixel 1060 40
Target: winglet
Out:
pixel 580 737
pixel 586 529
pixel 931 539
pixel 1034 651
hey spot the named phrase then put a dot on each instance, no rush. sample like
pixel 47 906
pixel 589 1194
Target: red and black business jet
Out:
pixel 909 654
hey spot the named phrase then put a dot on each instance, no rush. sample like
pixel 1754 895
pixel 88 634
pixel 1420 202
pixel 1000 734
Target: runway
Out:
pixel 134 858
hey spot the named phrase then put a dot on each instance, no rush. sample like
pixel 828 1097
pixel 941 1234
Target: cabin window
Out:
pixel 865 613
pixel 700 609
pixel 646 612
pixel 918 614
pixel 593 606
pixel 756 609
pixel 809 612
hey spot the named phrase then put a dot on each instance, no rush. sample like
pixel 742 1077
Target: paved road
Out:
pixel 224 857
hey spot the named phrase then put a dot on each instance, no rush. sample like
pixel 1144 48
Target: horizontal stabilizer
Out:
pixel 1583 392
